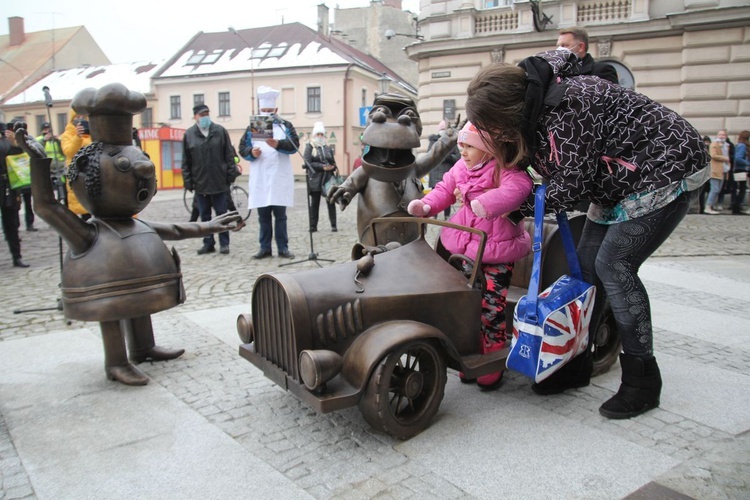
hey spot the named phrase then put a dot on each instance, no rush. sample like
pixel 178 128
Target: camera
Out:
pixel 84 124
pixel 389 34
pixel 11 125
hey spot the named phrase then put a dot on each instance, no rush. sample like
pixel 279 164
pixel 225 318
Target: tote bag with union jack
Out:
pixel 552 327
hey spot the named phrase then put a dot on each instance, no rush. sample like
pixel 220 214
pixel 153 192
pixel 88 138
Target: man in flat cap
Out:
pixel 207 167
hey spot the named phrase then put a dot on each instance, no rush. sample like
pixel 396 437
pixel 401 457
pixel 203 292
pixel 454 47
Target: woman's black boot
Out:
pixel 577 373
pixel 639 391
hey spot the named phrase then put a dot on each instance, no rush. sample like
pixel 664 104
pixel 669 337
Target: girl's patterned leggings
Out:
pixel 494 300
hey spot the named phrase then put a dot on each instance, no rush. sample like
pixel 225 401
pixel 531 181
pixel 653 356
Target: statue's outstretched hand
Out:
pixel 28 143
pixel 454 127
pixel 340 195
pixel 227 221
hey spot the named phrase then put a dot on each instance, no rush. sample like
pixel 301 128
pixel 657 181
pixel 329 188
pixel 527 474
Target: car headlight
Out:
pixel 318 367
pixel 245 328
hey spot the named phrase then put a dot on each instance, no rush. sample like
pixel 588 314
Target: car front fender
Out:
pixel 372 345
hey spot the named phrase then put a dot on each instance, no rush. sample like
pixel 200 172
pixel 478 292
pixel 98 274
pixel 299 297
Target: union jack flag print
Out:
pixel 545 339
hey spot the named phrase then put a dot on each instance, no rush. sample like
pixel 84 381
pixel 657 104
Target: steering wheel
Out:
pixel 465 266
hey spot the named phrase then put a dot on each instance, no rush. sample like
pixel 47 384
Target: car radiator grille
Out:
pixel 274 329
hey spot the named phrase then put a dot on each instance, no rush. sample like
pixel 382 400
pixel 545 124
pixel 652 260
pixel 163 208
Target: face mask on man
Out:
pixel 204 121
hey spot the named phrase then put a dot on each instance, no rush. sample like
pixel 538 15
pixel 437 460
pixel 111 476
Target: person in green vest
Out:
pixel 53 148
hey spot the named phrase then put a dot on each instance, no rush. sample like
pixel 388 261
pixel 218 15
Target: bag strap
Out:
pixel 532 295
pixel 569 245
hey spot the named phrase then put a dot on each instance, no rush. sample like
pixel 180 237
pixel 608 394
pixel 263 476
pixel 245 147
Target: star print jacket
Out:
pixel 611 145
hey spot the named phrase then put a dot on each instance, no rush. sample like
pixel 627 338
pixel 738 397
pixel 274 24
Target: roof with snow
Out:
pixel 285 46
pixel 65 84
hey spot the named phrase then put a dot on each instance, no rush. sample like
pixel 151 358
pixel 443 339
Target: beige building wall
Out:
pixel 692 56
pixel 343 93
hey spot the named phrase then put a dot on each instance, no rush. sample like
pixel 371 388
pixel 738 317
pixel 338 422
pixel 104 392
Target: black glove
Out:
pixel 189 186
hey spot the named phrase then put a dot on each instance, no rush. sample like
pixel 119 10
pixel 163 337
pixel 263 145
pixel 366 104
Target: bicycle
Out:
pixel 238 196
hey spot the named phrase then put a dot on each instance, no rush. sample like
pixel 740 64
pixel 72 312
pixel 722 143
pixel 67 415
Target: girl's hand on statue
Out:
pixel 418 208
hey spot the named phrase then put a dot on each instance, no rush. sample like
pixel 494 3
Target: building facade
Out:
pixel 320 79
pixel 365 29
pixel 27 57
pixel 691 55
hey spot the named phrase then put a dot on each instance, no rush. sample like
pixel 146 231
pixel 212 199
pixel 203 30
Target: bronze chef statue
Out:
pixel 117 270
pixel 389 177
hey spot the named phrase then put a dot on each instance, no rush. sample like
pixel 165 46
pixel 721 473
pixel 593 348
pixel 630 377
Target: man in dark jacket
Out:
pixel 207 163
pixel 576 40
pixel 9 199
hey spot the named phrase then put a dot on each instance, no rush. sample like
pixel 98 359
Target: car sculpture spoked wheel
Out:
pixel 405 389
pixel 606 344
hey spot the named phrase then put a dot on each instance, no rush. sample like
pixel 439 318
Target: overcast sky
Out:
pixel 149 30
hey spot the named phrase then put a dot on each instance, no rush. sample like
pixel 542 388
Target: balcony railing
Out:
pixel 496 22
pixel 518 17
pixel 603 12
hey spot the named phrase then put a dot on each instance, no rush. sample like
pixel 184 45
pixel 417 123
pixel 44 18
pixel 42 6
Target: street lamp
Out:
pixel 389 33
pixel 383 83
pixel 252 65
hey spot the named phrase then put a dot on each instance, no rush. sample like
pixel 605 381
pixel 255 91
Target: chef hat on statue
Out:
pixel 267 97
pixel 110 110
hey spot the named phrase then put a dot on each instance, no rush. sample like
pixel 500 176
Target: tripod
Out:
pixel 61 195
pixel 312 256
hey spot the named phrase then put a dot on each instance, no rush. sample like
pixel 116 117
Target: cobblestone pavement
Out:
pixel 337 455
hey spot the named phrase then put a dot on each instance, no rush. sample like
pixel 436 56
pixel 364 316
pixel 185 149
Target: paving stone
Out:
pixel 337 455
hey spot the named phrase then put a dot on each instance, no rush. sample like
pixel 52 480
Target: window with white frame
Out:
pixel 175 109
pixel 313 99
pixel 224 109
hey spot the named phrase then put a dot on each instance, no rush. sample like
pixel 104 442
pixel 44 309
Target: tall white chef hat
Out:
pixel 267 97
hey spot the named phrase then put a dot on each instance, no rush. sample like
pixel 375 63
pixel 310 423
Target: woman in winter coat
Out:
pixel 640 165
pixel 75 136
pixel 320 165
pixel 741 168
pixel 488 189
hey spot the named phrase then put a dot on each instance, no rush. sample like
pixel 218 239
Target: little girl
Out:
pixel 489 190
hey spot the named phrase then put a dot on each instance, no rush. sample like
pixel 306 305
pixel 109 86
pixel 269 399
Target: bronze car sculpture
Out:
pixel 381 331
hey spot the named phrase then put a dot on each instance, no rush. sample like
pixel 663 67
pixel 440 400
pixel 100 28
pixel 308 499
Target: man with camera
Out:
pixel 51 144
pixel 9 198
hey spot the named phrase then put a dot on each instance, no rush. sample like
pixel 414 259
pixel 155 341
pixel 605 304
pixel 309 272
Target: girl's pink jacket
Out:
pixel 506 242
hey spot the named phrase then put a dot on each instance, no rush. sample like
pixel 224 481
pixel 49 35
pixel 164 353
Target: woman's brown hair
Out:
pixel 496 105
pixel 744 136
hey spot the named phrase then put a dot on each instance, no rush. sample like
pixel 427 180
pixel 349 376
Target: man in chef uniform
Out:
pixel 271 182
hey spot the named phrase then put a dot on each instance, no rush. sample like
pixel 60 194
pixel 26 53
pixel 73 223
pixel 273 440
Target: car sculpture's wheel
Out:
pixel 405 390
pixel 606 343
